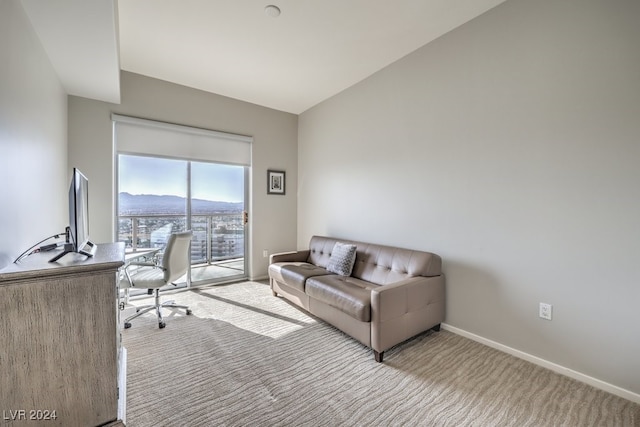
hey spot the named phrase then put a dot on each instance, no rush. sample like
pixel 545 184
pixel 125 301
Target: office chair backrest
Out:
pixel 158 238
pixel 175 260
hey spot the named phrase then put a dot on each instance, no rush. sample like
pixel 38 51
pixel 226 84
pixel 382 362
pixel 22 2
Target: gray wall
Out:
pixel 33 144
pixel 272 218
pixel 510 146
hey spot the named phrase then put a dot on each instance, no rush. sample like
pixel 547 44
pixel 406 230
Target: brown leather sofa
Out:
pixel 391 295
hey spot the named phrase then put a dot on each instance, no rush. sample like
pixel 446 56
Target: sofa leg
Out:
pixel 378 356
pixel 275 294
pixel 436 328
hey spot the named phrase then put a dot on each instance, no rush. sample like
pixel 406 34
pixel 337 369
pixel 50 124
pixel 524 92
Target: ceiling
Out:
pixel 312 51
pixel 81 40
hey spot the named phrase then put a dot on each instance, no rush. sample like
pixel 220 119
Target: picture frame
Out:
pixel 276 182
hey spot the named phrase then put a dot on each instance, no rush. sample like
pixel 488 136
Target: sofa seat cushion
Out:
pixel 295 274
pixel 349 295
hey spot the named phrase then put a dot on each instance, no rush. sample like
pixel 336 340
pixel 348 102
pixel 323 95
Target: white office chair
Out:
pixel 148 275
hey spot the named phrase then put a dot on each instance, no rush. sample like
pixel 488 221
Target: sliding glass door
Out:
pixel 217 219
pixel 158 196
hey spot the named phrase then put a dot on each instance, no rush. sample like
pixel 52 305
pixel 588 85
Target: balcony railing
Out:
pixel 216 237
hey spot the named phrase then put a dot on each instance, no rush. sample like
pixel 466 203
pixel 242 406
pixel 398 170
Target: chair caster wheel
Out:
pixel 161 325
pixel 189 312
pixel 127 325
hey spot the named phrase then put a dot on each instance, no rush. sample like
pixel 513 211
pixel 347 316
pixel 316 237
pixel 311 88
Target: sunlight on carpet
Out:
pixel 247 305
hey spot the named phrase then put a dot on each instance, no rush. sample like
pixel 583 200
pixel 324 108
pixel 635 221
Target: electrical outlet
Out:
pixel 265 253
pixel 545 310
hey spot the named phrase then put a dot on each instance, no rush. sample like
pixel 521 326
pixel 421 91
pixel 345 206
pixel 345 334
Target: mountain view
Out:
pixel 140 204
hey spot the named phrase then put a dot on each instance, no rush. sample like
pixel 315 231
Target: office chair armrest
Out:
pixel 142 264
pixel 139 264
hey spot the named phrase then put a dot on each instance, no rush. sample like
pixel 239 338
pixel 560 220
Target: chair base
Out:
pixel 157 307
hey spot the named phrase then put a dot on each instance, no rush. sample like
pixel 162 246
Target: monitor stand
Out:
pixel 70 247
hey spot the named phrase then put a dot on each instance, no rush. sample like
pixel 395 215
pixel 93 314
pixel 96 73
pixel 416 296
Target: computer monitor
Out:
pixel 78 229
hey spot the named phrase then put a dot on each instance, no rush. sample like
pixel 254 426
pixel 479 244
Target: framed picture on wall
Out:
pixel 275 182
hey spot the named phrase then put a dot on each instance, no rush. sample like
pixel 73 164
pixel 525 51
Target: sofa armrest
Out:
pixel 404 309
pixel 294 256
pixel 413 294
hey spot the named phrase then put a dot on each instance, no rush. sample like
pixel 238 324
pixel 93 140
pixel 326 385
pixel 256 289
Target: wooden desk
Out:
pixel 59 340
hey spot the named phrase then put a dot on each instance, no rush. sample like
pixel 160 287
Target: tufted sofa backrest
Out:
pixel 378 264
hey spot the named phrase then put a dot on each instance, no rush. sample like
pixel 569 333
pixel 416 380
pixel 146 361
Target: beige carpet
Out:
pixel 246 358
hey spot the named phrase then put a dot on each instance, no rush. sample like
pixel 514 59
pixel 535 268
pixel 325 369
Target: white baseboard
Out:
pixel 122 386
pixel 594 382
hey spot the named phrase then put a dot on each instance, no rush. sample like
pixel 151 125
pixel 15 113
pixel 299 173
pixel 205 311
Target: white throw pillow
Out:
pixel 343 257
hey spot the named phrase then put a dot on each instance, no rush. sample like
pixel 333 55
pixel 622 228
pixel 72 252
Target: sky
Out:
pixel 153 175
